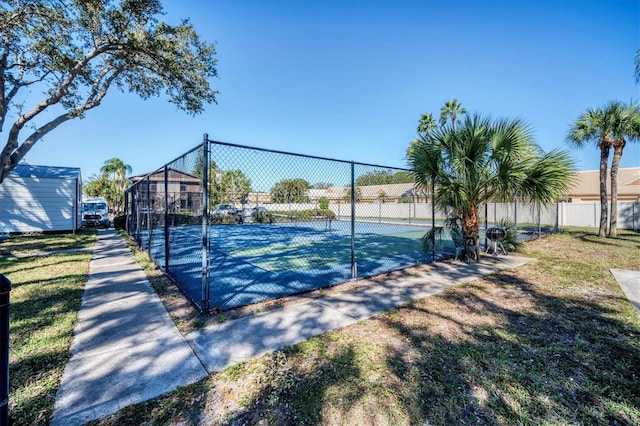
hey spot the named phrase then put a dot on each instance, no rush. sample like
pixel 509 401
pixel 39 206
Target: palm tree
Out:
pixel 483 160
pixel 118 170
pixel 426 124
pixel 608 127
pixel 116 167
pixel 450 111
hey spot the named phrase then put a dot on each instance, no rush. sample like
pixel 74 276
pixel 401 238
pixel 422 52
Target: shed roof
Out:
pixel 52 172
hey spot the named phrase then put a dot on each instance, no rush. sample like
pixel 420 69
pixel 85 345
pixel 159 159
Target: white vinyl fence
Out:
pixel 555 215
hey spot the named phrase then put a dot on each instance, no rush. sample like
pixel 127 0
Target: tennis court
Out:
pixel 250 263
pixel 310 242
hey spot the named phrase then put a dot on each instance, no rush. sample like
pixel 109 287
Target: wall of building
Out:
pixel 39 204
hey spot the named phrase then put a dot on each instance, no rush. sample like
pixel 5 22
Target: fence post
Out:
pixel 354 266
pixel 486 224
pixel 166 218
pixel 539 220
pixel 515 213
pixel 205 220
pixel 149 216
pixel 126 210
pixel 433 218
pixel 5 289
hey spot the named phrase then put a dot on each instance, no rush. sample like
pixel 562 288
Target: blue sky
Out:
pixel 350 79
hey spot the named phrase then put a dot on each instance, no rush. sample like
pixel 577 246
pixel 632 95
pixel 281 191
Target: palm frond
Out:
pixel 510 241
pixel 433 236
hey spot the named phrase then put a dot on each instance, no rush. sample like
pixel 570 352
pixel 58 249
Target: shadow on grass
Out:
pixel 48 242
pixel 284 394
pixel 592 237
pixel 11 266
pixel 290 395
pixel 563 360
pixel 41 329
pixel 502 350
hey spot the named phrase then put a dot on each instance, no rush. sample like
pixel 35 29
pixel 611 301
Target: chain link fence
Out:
pixel 234 225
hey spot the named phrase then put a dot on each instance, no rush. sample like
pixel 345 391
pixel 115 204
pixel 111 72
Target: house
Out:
pixel 586 188
pixel 184 190
pixel 41 199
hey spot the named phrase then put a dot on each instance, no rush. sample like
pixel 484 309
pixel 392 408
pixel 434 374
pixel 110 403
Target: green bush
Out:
pixel 120 221
pixel 182 219
pixel 323 212
pixel 510 242
pixel 225 220
pixel 286 216
pixel 323 202
pixel 262 217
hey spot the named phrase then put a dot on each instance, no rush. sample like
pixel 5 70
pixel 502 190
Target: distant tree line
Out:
pixel 384 177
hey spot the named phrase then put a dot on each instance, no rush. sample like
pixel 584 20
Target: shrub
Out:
pixel 182 219
pixel 217 219
pixel 323 203
pixel 262 217
pixel 120 221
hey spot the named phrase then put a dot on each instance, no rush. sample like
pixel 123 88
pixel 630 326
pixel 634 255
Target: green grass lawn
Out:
pixel 45 298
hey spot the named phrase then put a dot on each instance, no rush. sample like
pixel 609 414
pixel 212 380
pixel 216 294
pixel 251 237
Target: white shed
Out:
pixel 41 199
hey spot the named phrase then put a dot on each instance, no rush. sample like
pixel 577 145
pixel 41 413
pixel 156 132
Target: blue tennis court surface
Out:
pixel 250 263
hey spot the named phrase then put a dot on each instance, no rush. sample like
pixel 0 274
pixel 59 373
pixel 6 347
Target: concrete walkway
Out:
pixel 629 282
pixel 127 350
pixel 221 345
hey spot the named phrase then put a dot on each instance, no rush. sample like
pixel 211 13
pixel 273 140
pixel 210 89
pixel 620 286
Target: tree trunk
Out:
pixel 613 222
pixel 470 222
pixel 604 157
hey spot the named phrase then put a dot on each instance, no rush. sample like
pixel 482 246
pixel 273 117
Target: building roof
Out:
pixel 158 176
pixel 587 183
pixel 45 172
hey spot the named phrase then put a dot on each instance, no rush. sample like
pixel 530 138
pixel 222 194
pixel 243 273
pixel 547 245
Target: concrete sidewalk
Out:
pixel 127 350
pixel 629 282
pixel 221 345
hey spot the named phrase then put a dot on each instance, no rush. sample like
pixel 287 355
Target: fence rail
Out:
pixel 235 225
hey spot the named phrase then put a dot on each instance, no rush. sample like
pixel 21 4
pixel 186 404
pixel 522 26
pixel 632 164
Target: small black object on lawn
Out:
pixel 5 289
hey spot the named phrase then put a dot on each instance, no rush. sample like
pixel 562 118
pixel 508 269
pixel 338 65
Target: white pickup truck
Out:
pixel 95 212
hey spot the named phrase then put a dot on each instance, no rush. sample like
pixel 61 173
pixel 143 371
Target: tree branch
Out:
pixel 56 96
pixel 98 92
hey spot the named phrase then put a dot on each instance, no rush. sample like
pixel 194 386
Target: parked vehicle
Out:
pixel 95 212
pixel 225 210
